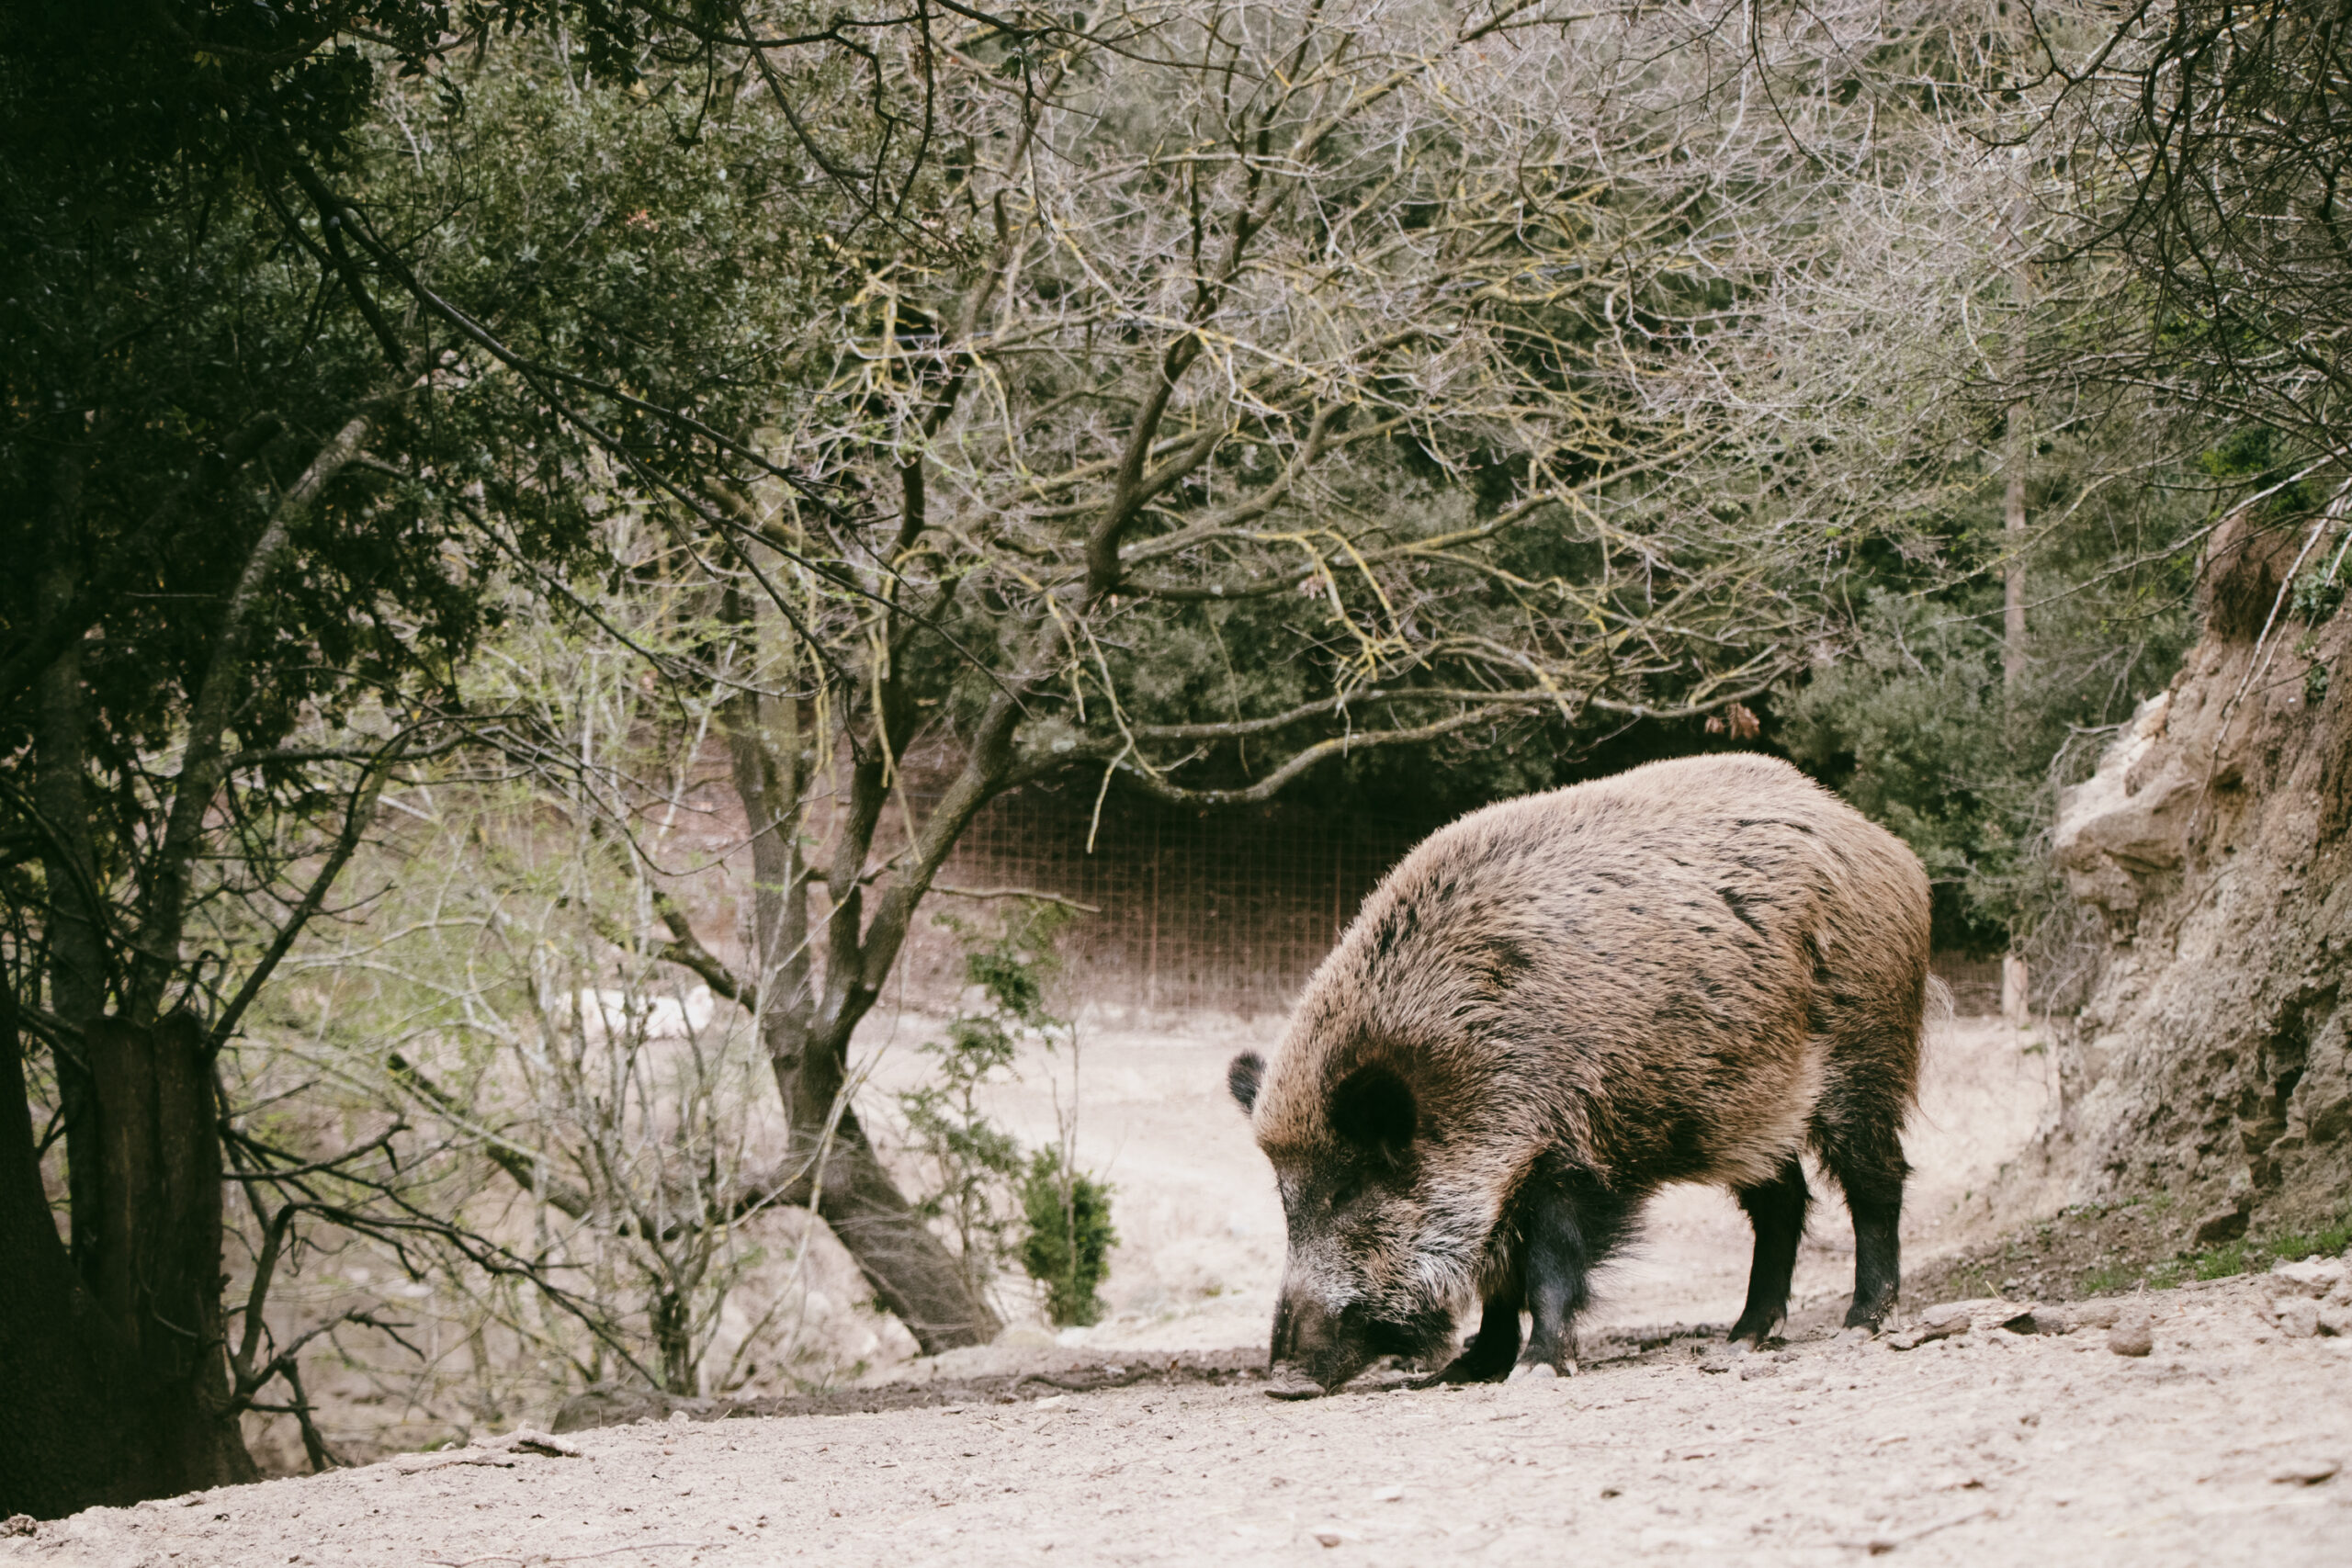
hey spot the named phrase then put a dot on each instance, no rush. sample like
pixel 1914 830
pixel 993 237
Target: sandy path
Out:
pixel 1989 1448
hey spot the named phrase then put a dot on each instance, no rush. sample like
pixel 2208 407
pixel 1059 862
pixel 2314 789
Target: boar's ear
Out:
pixel 1242 1078
pixel 1374 1108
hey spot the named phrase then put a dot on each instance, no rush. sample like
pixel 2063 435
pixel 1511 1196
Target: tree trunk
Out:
pixel 2018 446
pixel 73 922
pixel 117 1388
pixel 911 1271
pixel 163 909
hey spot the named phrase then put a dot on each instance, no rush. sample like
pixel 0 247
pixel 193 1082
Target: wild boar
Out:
pixel 1693 971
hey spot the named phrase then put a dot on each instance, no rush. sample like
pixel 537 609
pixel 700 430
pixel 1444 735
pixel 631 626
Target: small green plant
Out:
pixel 972 1161
pixel 2216 1263
pixel 1071 1236
pixel 2316 685
pixel 2316 595
pixel 975 1166
pixel 2108 1279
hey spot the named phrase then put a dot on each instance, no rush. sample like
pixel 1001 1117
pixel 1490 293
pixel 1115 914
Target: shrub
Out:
pixel 1070 1237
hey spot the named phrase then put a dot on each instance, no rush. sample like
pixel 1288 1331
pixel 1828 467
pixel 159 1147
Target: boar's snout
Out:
pixel 1310 1339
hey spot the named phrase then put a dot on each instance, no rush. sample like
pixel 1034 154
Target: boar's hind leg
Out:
pixel 1489 1355
pixel 1776 1208
pixel 1866 1157
pixel 1571 1225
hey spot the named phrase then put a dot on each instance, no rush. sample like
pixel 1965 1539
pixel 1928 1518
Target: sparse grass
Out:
pixel 2256 1253
pixel 2094 1249
pixel 2112 1278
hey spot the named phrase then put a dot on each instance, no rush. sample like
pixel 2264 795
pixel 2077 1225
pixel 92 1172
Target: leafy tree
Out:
pixel 258 500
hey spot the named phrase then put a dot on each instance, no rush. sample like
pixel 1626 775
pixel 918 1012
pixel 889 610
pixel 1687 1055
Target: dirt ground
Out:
pixel 1988 1445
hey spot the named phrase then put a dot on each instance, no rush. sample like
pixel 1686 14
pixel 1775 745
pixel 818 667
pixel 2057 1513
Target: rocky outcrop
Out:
pixel 2212 1062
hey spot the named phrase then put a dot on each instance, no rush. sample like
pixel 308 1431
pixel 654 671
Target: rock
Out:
pixel 2311 1277
pixel 1751 1370
pixel 1289 1382
pixel 2306 1471
pixel 1526 1372
pixel 2298 1317
pixel 1388 1493
pixel 1329 1537
pixel 2220 1225
pixel 18 1524
pixel 1723 1357
pixel 2096 1315
pixel 2036 1320
pixel 2131 1336
pixel 2336 1320
pixel 1942 1321
pixel 1951 1317
pixel 2111 840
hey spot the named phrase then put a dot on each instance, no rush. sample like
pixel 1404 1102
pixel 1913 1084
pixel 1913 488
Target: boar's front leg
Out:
pixel 1489 1355
pixel 1572 1224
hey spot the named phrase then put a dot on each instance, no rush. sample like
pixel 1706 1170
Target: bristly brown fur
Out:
pixel 1690 971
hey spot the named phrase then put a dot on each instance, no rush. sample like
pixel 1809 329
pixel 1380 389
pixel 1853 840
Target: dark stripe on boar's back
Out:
pixel 1737 903
pixel 1506 959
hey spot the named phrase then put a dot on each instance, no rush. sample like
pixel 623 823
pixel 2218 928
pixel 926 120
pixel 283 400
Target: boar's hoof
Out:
pixel 1289 1382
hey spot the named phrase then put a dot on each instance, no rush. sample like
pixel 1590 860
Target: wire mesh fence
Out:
pixel 1195 911
pixel 1974 983
pixel 1225 911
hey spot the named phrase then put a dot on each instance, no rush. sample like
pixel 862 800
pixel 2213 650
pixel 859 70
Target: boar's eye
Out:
pixel 1373 1109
